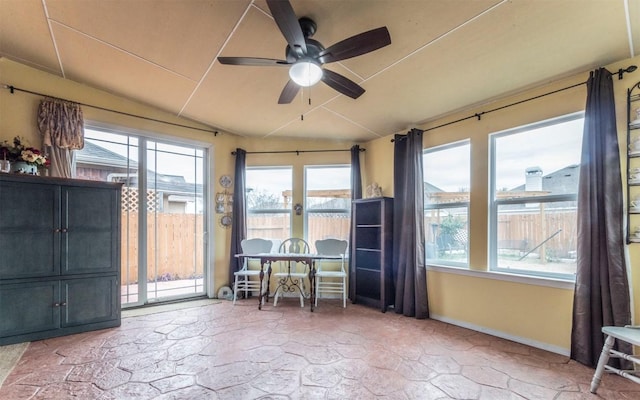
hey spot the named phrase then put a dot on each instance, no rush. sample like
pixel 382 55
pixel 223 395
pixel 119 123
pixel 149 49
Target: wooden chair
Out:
pixel 629 334
pixel 289 277
pixel 337 282
pixel 242 281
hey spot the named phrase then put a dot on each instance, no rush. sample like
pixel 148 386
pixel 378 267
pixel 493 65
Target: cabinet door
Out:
pixel 90 300
pixel 29 214
pixel 90 230
pixel 29 307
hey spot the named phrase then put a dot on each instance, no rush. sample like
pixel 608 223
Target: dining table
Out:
pixel 287 283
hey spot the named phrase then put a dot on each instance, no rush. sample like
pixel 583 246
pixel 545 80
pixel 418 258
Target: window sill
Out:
pixel 501 276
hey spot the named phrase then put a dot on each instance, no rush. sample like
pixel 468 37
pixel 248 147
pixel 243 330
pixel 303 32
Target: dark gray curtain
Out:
pixel 356 193
pixel 601 295
pixel 239 220
pixel 410 275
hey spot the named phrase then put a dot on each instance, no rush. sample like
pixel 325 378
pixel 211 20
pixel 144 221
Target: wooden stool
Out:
pixel 627 334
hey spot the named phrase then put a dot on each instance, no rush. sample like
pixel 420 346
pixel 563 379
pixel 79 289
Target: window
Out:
pixel 534 189
pixel 327 202
pixel 269 203
pixel 446 204
pixel 163 196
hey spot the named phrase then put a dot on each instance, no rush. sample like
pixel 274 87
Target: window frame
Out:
pixel 458 204
pixel 306 210
pixel 495 203
pixel 264 211
pixel 142 137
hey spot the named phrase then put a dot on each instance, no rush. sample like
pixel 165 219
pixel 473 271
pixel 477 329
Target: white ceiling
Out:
pixel 445 55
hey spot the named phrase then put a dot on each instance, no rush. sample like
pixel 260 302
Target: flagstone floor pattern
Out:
pixel 221 351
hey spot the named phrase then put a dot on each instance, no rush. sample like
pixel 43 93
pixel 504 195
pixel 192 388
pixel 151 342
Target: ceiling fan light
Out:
pixel 305 73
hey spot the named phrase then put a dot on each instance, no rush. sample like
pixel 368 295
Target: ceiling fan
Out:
pixel 305 56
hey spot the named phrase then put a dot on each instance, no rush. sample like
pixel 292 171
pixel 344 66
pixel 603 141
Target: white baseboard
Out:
pixel 500 334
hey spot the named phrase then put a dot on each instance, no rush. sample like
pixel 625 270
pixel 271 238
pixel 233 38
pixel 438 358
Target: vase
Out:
pixel 22 167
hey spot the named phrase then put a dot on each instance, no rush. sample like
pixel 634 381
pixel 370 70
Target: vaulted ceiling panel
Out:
pixel 473 60
pixel 445 55
pixel 119 72
pixel 183 37
pixel 324 124
pixel 24 34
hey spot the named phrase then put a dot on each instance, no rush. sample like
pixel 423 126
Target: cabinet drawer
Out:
pixel 90 300
pixel 29 307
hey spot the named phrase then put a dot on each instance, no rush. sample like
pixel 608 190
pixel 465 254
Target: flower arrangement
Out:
pixel 20 150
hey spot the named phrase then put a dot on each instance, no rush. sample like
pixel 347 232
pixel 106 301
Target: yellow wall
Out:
pixel 531 313
pixel 18 116
pixel 297 162
pixel 526 312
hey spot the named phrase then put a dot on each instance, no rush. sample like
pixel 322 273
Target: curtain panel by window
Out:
pixel 62 126
pixel 356 193
pixel 410 274
pixel 601 296
pixel 239 213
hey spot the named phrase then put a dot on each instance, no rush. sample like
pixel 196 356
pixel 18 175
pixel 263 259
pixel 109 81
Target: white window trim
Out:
pixel 306 210
pixel 494 202
pixel 288 211
pixel 208 180
pixel 462 204
pixel 506 277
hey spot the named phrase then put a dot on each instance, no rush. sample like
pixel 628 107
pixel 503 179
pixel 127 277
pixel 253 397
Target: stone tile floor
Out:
pixel 221 351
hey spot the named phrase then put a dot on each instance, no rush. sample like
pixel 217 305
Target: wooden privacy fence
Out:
pixel 319 226
pixel 553 232
pixel 174 246
pixel 550 231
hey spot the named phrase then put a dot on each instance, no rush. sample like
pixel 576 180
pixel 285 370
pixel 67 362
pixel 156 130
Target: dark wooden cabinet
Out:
pixel 59 257
pixel 371 248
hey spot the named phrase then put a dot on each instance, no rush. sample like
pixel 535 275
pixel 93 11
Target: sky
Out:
pixel 279 179
pixel 551 148
pixel 168 159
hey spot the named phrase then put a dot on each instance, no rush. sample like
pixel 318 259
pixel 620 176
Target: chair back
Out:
pixel 294 246
pixel 331 247
pixel 256 246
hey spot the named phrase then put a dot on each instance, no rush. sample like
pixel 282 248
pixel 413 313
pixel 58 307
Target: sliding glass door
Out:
pixel 175 226
pixel 164 211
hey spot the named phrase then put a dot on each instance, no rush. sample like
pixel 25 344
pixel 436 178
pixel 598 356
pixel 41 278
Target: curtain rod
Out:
pixel 233 153
pixel 479 115
pixel 12 89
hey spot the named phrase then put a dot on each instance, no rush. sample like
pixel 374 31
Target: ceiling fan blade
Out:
pixel 362 43
pixel 252 61
pixel 287 21
pixel 342 84
pixel 289 92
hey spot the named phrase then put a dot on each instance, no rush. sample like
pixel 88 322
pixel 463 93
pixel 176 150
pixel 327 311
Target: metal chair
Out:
pixel 242 279
pixel 289 278
pixel 337 282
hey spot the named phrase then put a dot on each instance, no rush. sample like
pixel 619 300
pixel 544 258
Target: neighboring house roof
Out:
pixel 95 156
pixel 562 181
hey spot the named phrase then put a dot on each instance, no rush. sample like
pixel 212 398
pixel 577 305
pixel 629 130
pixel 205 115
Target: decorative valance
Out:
pixel 61 124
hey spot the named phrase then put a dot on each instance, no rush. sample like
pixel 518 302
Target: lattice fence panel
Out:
pixel 130 200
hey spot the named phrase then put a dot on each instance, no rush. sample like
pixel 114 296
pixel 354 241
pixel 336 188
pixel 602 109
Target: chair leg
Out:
pixel 602 361
pixel 275 297
pixel 246 287
pixel 235 290
pixel 344 292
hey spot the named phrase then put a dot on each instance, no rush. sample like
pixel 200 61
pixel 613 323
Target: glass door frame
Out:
pixel 208 214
